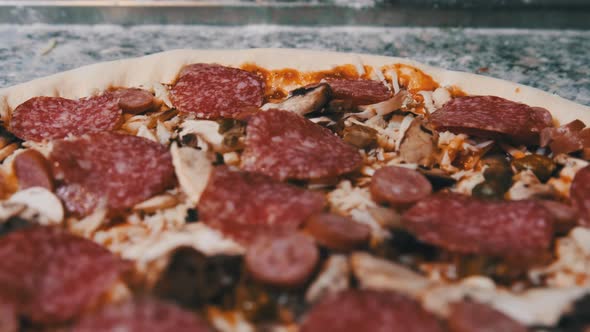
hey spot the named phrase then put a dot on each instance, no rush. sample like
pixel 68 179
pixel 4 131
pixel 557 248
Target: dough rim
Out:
pixel 164 67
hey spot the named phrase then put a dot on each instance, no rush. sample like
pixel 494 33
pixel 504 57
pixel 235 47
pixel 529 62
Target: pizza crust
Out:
pixel 164 67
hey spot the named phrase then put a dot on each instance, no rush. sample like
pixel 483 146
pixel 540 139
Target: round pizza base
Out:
pixel 164 67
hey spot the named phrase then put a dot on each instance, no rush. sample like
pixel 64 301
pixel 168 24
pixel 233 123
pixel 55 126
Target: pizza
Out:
pixel 291 190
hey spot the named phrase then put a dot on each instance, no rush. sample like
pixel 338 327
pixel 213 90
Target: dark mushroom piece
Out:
pixel 418 146
pixel 304 100
pixel 360 136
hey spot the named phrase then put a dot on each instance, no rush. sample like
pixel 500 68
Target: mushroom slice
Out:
pixel 380 274
pixel 534 307
pixel 304 100
pixel 390 105
pixel 333 278
pixel 206 130
pixel 156 203
pixel 199 236
pixel 192 168
pixel 44 202
pixel 417 147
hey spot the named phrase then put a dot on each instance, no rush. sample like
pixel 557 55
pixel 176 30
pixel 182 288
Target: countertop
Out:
pixel 552 60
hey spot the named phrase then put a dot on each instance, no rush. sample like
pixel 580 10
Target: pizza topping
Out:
pixel 56 275
pixel 380 274
pixel 33 170
pixel 284 145
pixel 359 91
pixel 337 232
pixel 192 279
pixel 192 168
pixel 8 319
pixel 304 100
pixel 108 167
pixel 568 138
pixel 385 107
pixel 565 216
pixel 365 310
pixel 469 316
pixel 459 223
pixel 284 261
pixel 42 201
pixel 417 146
pixel 492 117
pixel 360 136
pixel 542 166
pixel 399 186
pixel 142 315
pixel 580 195
pixel 334 277
pixel 135 101
pixel 212 91
pixel 45 118
pixel 245 205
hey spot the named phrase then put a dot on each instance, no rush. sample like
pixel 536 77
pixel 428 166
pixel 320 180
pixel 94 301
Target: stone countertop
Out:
pixel 552 60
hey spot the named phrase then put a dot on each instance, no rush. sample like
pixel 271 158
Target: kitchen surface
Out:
pixel 549 50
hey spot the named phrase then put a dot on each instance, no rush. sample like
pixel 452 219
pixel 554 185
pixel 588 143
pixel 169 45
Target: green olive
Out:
pixel 360 136
pixel 489 190
pixel 255 302
pixel 497 173
pixel 540 165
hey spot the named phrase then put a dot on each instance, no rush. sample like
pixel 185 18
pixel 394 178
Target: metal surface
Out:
pixel 571 14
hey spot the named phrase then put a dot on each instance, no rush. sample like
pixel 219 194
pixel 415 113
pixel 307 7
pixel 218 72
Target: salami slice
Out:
pixel 359 91
pixel 468 316
pixel 580 195
pixel 135 101
pixel 33 170
pixel 142 316
pixel 568 138
pixel 283 261
pixel 399 186
pixel 492 117
pixel 284 145
pixel 121 170
pixel 365 310
pixel 244 205
pixel 52 276
pixel 45 118
pixel 463 224
pixel 212 91
pixel 337 232
pixel 8 319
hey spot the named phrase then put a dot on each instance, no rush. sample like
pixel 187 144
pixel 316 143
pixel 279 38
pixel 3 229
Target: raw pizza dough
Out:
pixel 164 67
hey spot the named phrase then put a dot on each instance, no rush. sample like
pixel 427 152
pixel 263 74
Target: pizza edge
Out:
pixel 164 67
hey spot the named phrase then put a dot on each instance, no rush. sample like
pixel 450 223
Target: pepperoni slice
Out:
pixel 399 186
pixel 8 319
pixel 580 195
pixel 33 170
pixel 212 91
pixel 492 117
pixel 284 145
pixel 142 316
pixel 244 205
pixel 52 276
pixel 337 232
pixel 135 101
pixel 464 224
pixel 359 91
pixel 45 118
pixel 468 316
pixel 366 310
pixel 121 170
pixel 565 216
pixel 284 261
